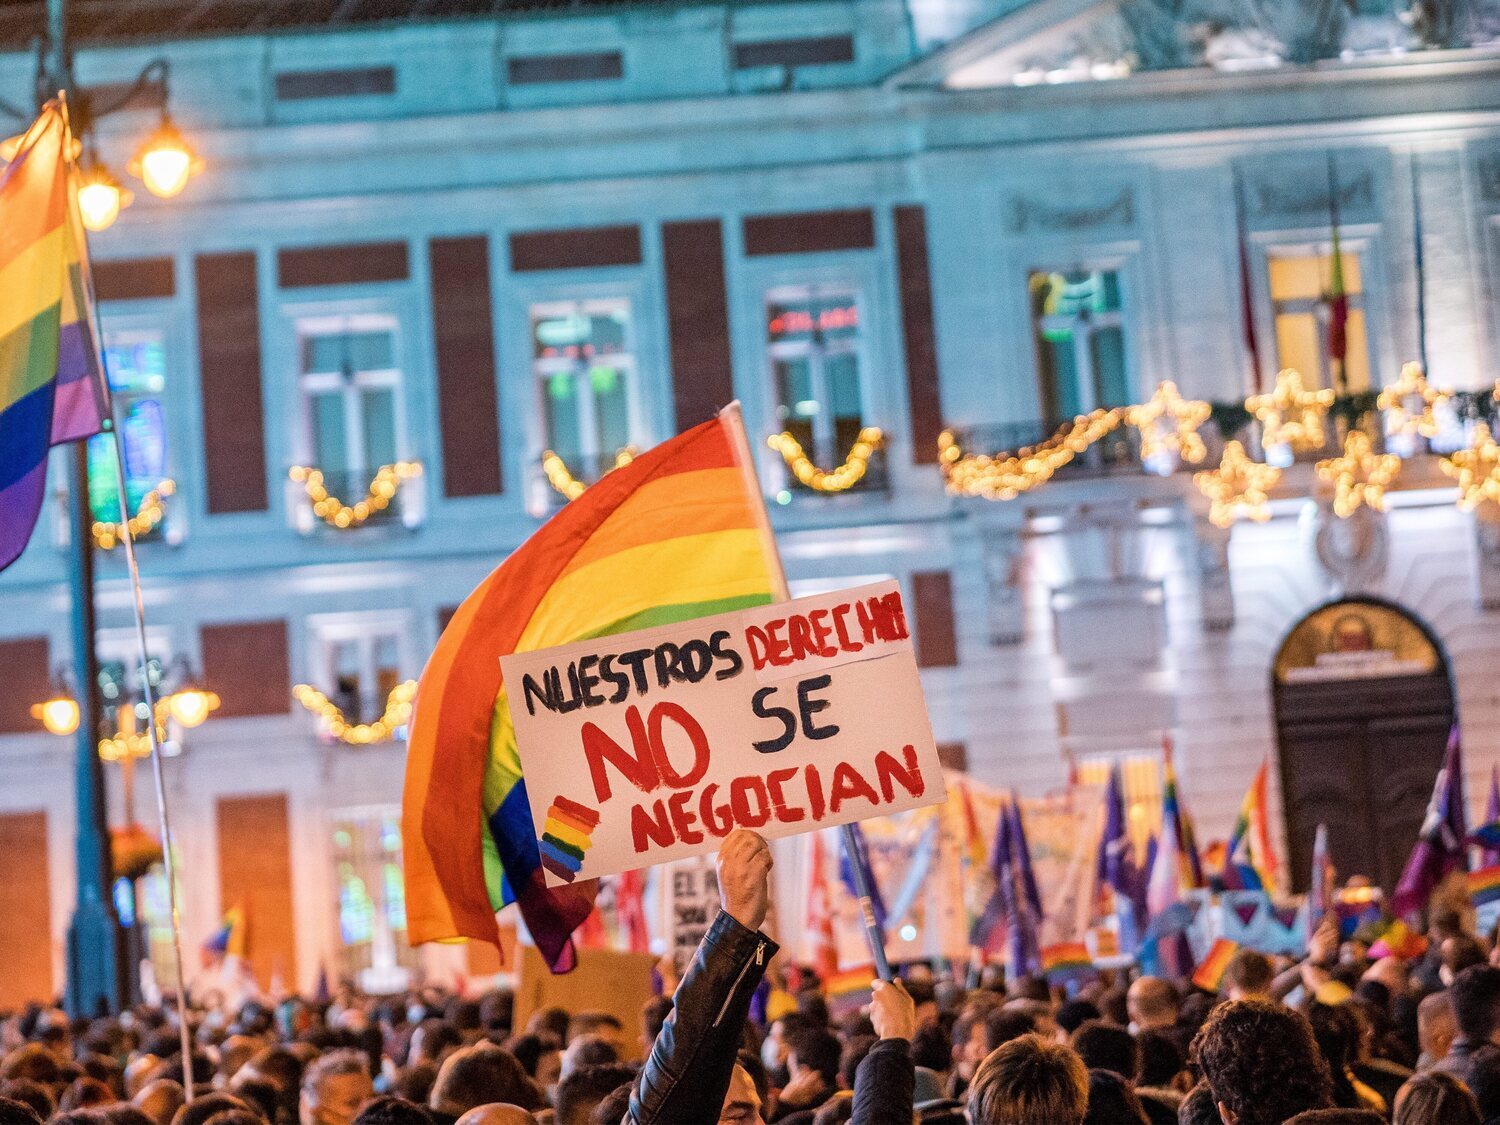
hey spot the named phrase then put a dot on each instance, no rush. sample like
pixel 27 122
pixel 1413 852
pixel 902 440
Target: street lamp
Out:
pixel 100 197
pixel 165 161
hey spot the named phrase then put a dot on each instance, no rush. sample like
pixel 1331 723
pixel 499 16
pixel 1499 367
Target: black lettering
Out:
pixel 810 706
pixel 636 660
pixel 666 663
pixel 697 659
pixel 721 651
pixel 534 694
pixel 588 680
pixel 619 679
pixel 781 714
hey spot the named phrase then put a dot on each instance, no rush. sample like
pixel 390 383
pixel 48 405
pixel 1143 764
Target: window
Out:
pixel 137 366
pixel 813 341
pixel 1141 786
pixel 1301 286
pixel 1080 342
pixel 362 668
pixel 351 394
pixel 583 358
pixel 372 948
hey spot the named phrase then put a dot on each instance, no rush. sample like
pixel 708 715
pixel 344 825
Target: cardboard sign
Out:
pixel 692 905
pixel 653 746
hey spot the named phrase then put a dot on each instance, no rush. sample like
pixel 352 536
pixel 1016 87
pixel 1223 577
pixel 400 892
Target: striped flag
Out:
pixel 1320 888
pixel 1250 859
pixel 50 386
pixel 1442 843
pixel 1210 972
pixel 677 534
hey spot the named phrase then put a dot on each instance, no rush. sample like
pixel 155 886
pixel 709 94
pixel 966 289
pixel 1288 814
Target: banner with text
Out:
pixel 654 745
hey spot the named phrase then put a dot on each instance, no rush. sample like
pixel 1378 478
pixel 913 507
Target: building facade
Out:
pixel 453 244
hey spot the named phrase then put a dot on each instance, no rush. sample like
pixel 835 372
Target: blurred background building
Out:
pixel 445 236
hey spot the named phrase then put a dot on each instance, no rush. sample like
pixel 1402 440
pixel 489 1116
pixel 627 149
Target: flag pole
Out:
pixel 734 422
pixel 138 604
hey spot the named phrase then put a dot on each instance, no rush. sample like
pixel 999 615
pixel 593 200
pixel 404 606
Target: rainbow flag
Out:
pixel 678 533
pixel 231 938
pixel 1210 972
pixel 846 982
pixel 1066 960
pixel 50 389
pixel 1251 839
pixel 1484 885
pixel 1399 940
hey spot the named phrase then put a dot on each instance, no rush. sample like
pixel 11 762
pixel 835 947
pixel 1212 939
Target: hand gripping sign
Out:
pixel 652 746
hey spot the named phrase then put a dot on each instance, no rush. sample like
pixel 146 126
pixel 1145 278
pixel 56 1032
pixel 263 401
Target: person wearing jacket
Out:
pixel 885 1083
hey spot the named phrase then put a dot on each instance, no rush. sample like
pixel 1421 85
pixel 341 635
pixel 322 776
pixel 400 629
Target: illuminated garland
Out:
pixel 397 714
pixel 1477 470
pixel 840 479
pixel 1238 487
pixel 335 512
pixel 1290 414
pixel 1184 416
pixel 152 511
pixel 1395 398
pixel 1360 476
pixel 561 478
pixel 1004 477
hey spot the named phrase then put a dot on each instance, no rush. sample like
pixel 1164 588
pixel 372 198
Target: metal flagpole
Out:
pixel 734 421
pixel 138 604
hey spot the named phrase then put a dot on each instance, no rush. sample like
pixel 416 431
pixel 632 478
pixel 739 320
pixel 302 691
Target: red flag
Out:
pixel 825 953
pixel 630 911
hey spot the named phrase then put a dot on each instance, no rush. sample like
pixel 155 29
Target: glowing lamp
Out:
pixel 100 198
pixel 191 706
pixel 58 714
pixel 165 162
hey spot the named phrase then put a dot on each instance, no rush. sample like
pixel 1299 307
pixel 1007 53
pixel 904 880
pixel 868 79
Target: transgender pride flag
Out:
pixel 50 389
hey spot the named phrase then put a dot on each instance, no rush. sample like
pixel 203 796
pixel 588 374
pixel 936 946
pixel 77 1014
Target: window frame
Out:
pixel 541 369
pixel 327 631
pixel 1125 319
pixel 1321 248
pixel 311 384
pixel 817 356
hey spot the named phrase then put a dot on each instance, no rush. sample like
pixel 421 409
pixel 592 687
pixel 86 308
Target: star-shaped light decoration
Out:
pixel 1410 402
pixel 1169 423
pixel 1237 487
pixel 1360 476
pixel 1477 470
pixel 1291 414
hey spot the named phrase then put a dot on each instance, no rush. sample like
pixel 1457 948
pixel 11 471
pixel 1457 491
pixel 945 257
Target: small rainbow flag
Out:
pixel 566 837
pixel 1399 941
pixel 848 981
pixel 1484 885
pixel 1210 972
pixel 1066 960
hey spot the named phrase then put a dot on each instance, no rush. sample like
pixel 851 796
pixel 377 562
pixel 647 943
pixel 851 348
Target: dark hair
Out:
pixel 1161 1059
pixel 582 1090
pixel 437 1038
pixel 234 1117
pixel 388 1110
pixel 529 1049
pixel 1103 1046
pixel 31 1060
pixel 1112 1101
pixel 1461 951
pixel 811 1003
pixel 1435 1096
pixel 654 1013
pixel 1262 1061
pixel 819 1050
pixel 1029 1081
pixel 591 1049
pixel 199 1110
pixel 481 1075
pixel 85 1093
pixel 1483 1079
pixel 853 1054
pixel 1346 1117
pixel 1476 1002
pixel 836 1111
pixel 589 1022
pixel 1005 1024
pixel 1337 1033
pixel 416 1082
pixel 1075 1013
pixel 261 1096
pixel 612 1110
pixel 1199 1107
pixel 14 1111
pixel 1250 971
pixel 552 1020
pixel 930 1047
pixel 31 1094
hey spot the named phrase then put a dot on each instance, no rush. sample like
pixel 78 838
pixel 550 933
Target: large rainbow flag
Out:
pixel 50 389
pixel 678 533
pixel 1250 860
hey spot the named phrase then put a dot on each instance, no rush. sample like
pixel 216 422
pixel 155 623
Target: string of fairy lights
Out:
pixel 338 513
pixel 397 713
pixel 148 515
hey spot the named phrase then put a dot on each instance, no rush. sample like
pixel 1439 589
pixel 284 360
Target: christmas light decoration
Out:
pixel 396 715
pixel 561 478
pixel 1006 476
pixel 152 511
pixel 1360 476
pixel 1399 399
pixel 1169 423
pixel 335 512
pixel 839 479
pixel 1237 488
pixel 1291 414
pixel 1477 470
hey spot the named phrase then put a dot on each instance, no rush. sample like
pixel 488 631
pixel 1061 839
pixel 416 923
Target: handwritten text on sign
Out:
pixel 654 745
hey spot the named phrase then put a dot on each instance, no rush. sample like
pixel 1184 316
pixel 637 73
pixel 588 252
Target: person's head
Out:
pixel 85 1093
pixel 1199 1107
pixel 855 1050
pixel 1161 1059
pixel 1075 1013
pixel 1446 922
pixel 1436 1025
pixel 33 1061
pixel 32 1094
pixel 1248 976
pixel 1476 1002
pixel 160 1100
pixel 612 1110
pixel 199 1110
pixel 1030 1081
pixel 1152 1003
pixel 930 1048
pixel 1435 1097
pixel 483 1074
pixel 654 1013
pixel 1337 1034
pixel 1103 1046
pixel 606 1026
pixel 580 1092
pixel 16 1112
pixel 234 1053
pixel 334 1087
pixel 1112 1101
pixel 1262 1063
pixel 588 1049
pixel 223 1117
pixel 1482 1076
pixel 388 1110
pixel 497 1115
pixel 814 1049
pixel 434 1040
pixel 1338 1117
pixel 742 1102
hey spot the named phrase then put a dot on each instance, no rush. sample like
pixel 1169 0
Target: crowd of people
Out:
pixel 1337 1038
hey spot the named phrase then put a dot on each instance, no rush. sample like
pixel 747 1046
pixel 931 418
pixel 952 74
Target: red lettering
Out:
pixel 716 819
pixel 776 651
pixel 759 646
pixel 814 791
pixel 846 642
pixel 848 784
pixel 898 616
pixel 740 790
pixel 887 769
pixel 801 637
pixel 637 768
pixel 689 725
pixel 865 612
pixel 774 780
pixel 821 632
pixel 650 827
pixel 683 819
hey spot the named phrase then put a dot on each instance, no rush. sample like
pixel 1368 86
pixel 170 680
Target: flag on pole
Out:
pixel 50 386
pixel 824 951
pixel 1021 897
pixel 674 535
pixel 1491 854
pixel 1338 297
pixel 987 929
pixel 1320 886
pixel 1187 838
pixel 861 857
pixel 231 938
pixel 1116 866
pixel 630 911
pixel 1442 843
pixel 1250 857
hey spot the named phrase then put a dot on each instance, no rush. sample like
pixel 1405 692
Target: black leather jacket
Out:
pixel 884 1085
pixel 687 1076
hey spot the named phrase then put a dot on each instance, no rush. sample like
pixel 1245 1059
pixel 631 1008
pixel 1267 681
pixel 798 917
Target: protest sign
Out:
pixel 692 903
pixel 650 746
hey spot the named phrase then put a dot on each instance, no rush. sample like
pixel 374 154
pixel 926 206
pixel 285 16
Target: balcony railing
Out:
pixel 350 505
pixel 1117 453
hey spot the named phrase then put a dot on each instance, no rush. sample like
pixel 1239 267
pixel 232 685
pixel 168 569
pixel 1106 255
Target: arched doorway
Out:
pixel 1364 703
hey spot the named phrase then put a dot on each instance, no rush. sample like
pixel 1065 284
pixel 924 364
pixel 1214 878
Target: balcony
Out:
pixel 339 502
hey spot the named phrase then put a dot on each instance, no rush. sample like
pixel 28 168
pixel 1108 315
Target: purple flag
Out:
pixel 1491 856
pixel 1442 842
pixel 1023 902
